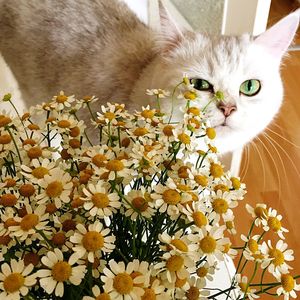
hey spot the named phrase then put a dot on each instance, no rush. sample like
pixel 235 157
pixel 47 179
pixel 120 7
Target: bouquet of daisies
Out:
pixel 138 211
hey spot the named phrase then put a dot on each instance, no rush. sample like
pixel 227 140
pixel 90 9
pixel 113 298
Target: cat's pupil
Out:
pixel 249 85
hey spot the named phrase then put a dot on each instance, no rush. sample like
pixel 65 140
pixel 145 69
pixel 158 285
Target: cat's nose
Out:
pixel 227 108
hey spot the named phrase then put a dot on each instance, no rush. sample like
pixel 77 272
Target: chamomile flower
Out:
pixel 34 220
pixel 97 294
pixel 194 291
pixel 288 286
pixel 158 93
pixel 211 242
pixel 98 201
pixel 92 242
pixel 243 287
pixel 56 187
pixel 16 279
pixel 59 272
pixel 274 223
pixel 259 212
pixel 121 282
pixel 62 101
pixel 206 271
pixel 138 203
pixel 279 255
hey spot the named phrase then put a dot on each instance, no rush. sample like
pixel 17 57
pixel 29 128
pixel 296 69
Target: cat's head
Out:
pixel 244 68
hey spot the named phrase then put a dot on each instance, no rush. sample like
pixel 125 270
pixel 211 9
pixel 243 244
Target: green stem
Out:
pixel 89 108
pixel 10 133
pixel 172 97
pixel 17 112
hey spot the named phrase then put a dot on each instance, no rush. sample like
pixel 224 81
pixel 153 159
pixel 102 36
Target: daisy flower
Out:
pixel 167 197
pixel 274 223
pixel 38 169
pixel 35 220
pixel 92 242
pixel 121 282
pixel 158 93
pixel 243 288
pixel 288 286
pixel 174 264
pixel 147 114
pixel 252 250
pixel 137 203
pixel 194 291
pixel 62 101
pixel 279 256
pixel 16 279
pixel 98 156
pixel 206 271
pixel 59 272
pixel 211 242
pixel 98 201
pixel 259 212
pixel 57 187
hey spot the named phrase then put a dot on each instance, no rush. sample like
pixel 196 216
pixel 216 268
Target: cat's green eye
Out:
pixel 250 87
pixel 201 84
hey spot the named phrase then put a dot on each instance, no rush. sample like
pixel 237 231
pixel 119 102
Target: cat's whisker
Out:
pixel 271 141
pixel 284 138
pixel 286 154
pixel 274 163
pixel 262 163
pixel 246 164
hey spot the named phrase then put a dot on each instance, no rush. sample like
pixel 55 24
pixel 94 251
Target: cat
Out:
pixel 100 47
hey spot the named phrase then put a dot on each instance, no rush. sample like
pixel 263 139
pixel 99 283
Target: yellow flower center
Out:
pixel 140 131
pixel 34 152
pixel 202 271
pixel 194 110
pixel 103 296
pixel 10 222
pixel 61 98
pixel 125 142
pixel 140 203
pixel 100 200
pixel 201 180
pixel 63 123
pixel 192 293
pixel 74 143
pixel 226 248
pixel 115 165
pixel 190 95
pixel 123 283
pixel 229 225
pixel 27 190
pixel 180 245
pixel 93 241
pixel 29 221
pixel 236 184
pixel 216 170
pixel 277 255
pixel 8 200
pixel 59 239
pixel 39 172
pixel 171 197
pixel 54 189
pixel 149 295
pixel 287 282
pixel 253 246
pixel 13 282
pixel 199 218
pixel 244 287
pixel 175 263
pixel 194 123
pixel 109 115
pixel 61 271
pixel 184 138
pixel 31 258
pixel 211 133
pixel 221 187
pixel 4 120
pixel 99 160
pixel 220 206
pixel 274 224
pixel 183 172
pixel 75 131
pixel 168 130
pixel 33 127
pixel 261 212
pixel 208 244
pixel 148 114
pixel 5 139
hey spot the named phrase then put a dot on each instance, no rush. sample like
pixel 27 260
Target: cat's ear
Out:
pixel 278 38
pixel 170 33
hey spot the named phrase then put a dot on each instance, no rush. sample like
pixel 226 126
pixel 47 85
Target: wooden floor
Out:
pixel 271 164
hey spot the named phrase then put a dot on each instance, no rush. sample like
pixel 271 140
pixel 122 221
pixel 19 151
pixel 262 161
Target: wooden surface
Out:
pixel 271 163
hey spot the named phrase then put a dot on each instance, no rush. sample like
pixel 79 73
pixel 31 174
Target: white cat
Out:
pixel 100 47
